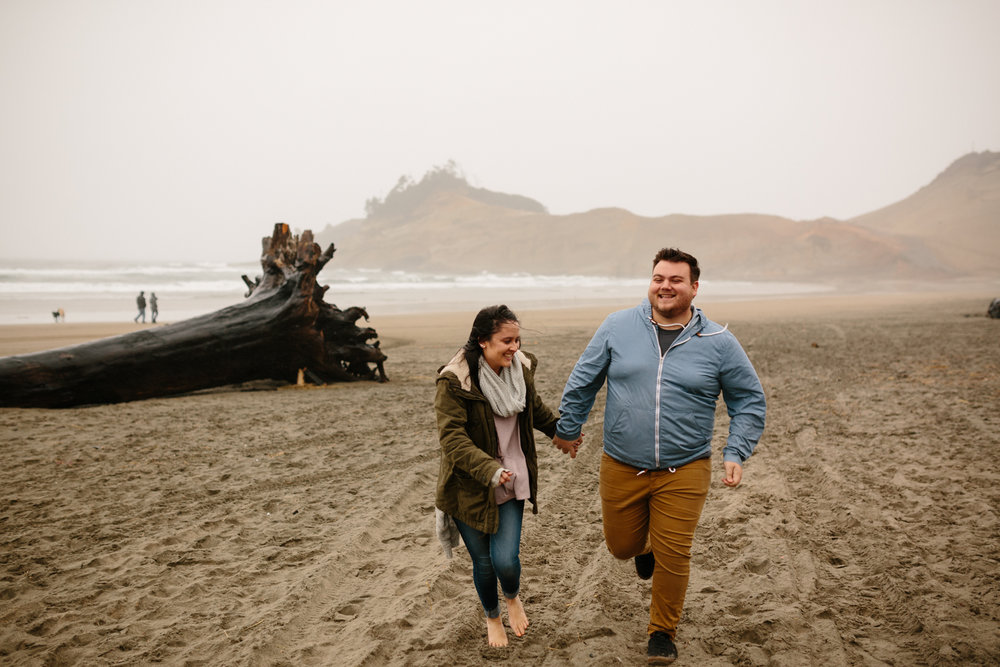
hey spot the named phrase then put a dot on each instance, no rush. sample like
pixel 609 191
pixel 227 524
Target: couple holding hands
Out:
pixel 665 365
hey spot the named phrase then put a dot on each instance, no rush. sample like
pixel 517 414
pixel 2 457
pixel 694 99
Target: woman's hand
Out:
pixel 505 476
pixel 568 446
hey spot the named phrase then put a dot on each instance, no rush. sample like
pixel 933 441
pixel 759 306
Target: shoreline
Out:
pixel 408 297
pixel 20 339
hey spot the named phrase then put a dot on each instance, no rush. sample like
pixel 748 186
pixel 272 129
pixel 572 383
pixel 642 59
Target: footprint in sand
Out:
pixel 346 613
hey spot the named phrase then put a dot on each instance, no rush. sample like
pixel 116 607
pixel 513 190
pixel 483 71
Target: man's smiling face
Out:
pixel 671 291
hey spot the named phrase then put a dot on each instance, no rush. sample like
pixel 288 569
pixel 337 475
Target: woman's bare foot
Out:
pixel 516 617
pixel 495 633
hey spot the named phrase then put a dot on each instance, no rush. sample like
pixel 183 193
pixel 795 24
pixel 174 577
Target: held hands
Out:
pixel 734 474
pixel 568 446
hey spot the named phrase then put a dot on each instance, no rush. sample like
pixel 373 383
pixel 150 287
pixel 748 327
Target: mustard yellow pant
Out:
pixel 658 509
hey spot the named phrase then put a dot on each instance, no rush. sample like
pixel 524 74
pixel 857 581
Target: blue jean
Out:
pixel 496 557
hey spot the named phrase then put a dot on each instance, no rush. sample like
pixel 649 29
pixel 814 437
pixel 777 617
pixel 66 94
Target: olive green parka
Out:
pixel 469 442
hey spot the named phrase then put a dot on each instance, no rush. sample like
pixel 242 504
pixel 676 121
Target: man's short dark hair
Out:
pixel 675 255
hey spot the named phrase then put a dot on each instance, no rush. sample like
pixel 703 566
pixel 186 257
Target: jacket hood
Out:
pixel 459 367
pixel 699 325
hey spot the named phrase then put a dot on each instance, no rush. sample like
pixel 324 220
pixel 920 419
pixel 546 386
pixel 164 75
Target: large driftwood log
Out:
pixel 283 331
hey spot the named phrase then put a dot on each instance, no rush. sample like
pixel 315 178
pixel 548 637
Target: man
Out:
pixel 140 303
pixel 154 307
pixel 665 364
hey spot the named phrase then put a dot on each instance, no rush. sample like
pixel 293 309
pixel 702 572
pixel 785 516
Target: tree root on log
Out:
pixel 282 330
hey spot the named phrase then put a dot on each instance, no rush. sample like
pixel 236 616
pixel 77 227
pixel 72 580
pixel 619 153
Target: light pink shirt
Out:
pixel 512 458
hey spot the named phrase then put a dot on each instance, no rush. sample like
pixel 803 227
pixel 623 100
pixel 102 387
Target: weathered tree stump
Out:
pixel 284 330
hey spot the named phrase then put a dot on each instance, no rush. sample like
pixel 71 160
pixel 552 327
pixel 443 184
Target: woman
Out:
pixel 487 409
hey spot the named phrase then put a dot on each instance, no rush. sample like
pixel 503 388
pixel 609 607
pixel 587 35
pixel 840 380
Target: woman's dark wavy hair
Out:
pixel 488 321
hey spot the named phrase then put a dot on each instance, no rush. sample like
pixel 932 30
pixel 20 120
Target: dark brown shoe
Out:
pixel 661 649
pixel 644 564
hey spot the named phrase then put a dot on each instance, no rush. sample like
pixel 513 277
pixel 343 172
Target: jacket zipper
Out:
pixel 659 387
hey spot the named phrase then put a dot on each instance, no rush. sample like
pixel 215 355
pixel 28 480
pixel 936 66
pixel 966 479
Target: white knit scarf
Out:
pixel 505 391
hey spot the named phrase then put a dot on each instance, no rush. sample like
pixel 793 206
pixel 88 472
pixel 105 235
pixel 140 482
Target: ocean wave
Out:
pixel 98 276
pixel 94 291
pixel 80 288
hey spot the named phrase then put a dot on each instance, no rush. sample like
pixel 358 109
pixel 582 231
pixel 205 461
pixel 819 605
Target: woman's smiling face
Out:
pixel 499 349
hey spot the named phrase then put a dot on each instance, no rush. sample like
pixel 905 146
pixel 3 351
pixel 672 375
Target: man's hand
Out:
pixel 568 446
pixel 734 474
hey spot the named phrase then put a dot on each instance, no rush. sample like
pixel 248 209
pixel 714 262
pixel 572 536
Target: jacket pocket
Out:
pixel 472 499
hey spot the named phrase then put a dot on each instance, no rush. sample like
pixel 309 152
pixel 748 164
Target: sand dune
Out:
pixel 266 525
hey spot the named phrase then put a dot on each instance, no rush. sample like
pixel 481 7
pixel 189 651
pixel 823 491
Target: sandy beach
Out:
pixel 275 525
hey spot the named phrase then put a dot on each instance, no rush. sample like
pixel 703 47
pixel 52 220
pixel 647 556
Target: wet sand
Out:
pixel 266 525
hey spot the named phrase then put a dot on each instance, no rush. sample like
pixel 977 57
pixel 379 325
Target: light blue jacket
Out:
pixel 660 411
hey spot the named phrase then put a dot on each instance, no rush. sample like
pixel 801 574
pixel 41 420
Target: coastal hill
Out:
pixel 956 216
pixel 950 227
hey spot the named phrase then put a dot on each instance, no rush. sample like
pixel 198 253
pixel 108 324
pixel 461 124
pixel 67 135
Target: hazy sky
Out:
pixel 183 129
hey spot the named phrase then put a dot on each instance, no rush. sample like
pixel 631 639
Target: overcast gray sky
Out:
pixel 183 129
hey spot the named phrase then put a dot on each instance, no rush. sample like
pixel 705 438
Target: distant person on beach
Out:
pixel 140 303
pixel 153 310
pixel 59 315
pixel 487 410
pixel 665 364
